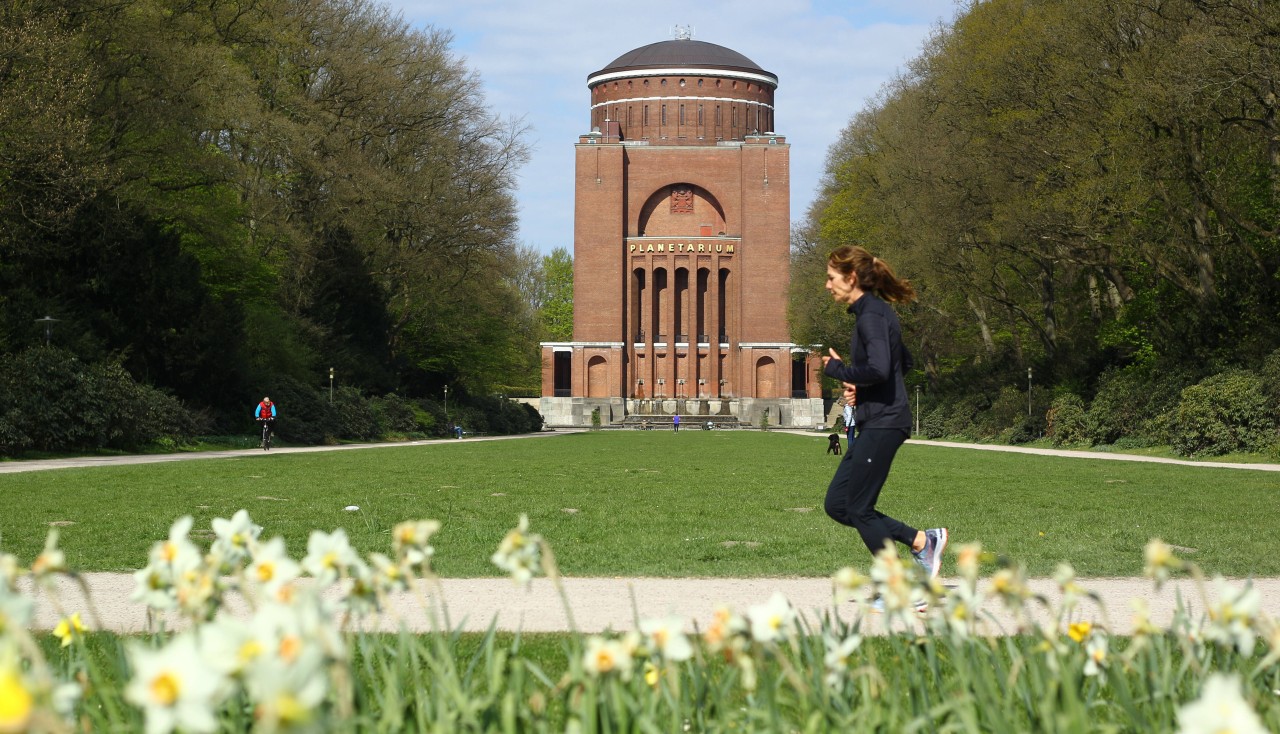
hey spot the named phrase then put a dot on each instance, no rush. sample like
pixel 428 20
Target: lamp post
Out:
pixel 917 410
pixel 330 386
pixel 1028 392
pixel 48 322
pixel 446 404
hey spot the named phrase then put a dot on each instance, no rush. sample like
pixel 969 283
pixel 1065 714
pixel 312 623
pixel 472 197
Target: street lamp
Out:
pixel 48 322
pixel 917 410
pixel 446 404
pixel 330 386
pixel 1028 392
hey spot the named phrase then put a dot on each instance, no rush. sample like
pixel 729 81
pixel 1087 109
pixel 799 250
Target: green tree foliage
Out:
pixel 1072 186
pixel 555 301
pixel 220 196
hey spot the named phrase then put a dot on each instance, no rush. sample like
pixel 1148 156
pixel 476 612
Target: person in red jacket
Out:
pixel 265 414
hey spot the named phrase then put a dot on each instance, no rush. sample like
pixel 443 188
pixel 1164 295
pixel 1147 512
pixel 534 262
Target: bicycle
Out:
pixel 266 435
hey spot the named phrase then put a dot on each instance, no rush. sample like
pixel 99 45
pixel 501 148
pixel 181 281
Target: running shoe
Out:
pixel 877 605
pixel 930 557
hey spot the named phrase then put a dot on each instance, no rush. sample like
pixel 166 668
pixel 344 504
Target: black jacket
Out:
pixel 877 363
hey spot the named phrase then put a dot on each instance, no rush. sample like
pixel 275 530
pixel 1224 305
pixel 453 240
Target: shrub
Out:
pixel 1067 421
pixel 1129 402
pixel 1227 412
pixel 395 414
pixel 58 403
pixel 354 416
pixel 304 413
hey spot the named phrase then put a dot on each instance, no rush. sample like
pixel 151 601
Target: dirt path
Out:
pixel 599 604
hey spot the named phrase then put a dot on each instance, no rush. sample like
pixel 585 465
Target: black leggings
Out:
pixel 854 490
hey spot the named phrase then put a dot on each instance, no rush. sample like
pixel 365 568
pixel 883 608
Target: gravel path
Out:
pixel 599 604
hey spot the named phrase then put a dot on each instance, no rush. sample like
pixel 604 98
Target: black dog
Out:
pixel 833 444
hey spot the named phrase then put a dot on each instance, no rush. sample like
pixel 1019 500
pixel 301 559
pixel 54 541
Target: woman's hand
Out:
pixel 827 358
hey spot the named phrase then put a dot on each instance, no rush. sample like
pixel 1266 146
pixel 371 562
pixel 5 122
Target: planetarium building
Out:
pixel 681 250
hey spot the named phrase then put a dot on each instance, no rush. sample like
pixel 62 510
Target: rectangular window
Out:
pixel 663 121
pixel 699 115
pixel 646 115
pixel 681 114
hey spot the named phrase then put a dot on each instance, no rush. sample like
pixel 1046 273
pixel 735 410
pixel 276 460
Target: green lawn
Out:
pixel 723 503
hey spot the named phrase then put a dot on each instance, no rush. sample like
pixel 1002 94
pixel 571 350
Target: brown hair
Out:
pixel 874 275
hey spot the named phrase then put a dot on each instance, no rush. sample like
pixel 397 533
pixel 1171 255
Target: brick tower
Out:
pixel 682 213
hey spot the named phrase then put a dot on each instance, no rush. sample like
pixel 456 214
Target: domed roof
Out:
pixel 682 54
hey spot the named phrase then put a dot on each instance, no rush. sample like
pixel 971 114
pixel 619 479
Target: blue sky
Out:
pixel 533 58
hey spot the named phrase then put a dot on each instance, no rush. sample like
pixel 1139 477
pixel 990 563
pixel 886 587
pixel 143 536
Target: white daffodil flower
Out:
pixel 606 657
pixel 1231 617
pixel 411 542
pixel 848 583
pixel 520 553
pixel 234 538
pixel 774 620
pixel 329 555
pixel 174 687
pixel 667 637
pixel 837 657
pixel 1220 708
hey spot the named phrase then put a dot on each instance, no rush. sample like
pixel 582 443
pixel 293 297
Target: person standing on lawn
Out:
pixel 877 363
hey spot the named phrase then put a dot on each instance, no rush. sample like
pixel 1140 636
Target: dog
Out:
pixel 833 444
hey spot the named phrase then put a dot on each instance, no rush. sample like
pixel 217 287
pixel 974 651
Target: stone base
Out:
pixel 783 412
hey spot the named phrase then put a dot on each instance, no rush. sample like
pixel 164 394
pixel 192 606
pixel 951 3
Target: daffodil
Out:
pixel 174 687
pixel 1079 631
pixel 667 638
pixel 848 583
pixel 10 570
pixel 1096 649
pixel 1232 615
pixel 17 702
pixel 68 629
pixel 520 553
pixel 772 621
pixel 969 560
pixel 837 657
pixel 1220 708
pixel 51 560
pixel 726 631
pixel 233 538
pixel 1160 561
pixel 271 569
pixel 329 556
pixel 606 657
pixel 287 697
pixel 411 542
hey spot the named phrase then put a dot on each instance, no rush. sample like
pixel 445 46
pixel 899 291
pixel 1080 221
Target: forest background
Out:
pixel 1086 196
pixel 222 200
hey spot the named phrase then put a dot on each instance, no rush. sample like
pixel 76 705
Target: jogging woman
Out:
pixel 877 363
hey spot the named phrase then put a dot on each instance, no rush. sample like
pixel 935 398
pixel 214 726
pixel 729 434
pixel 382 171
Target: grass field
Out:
pixel 724 503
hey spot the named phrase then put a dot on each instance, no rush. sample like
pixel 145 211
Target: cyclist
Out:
pixel 265 414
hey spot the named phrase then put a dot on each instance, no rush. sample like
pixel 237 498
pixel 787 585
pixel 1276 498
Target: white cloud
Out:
pixel 831 57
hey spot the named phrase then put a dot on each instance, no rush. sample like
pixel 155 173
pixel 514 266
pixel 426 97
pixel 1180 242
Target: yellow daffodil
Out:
pixel 68 629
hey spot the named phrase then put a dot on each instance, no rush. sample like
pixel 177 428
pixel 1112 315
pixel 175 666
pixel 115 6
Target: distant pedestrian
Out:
pixel 877 362
pixel 850 398
pixel 675 423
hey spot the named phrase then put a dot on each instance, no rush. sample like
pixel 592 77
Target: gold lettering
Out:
pixel 719 247
pixel 729 251
pixel 633 247
pixel 700 248
pixel 650 247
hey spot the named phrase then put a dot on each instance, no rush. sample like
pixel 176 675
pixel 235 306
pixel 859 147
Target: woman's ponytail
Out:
pixel 874 275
